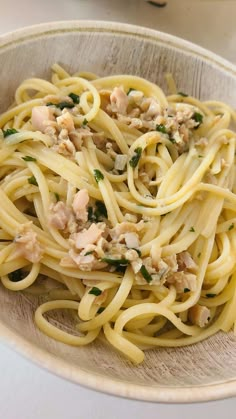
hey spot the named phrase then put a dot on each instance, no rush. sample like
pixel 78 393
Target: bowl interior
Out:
pixel 108 49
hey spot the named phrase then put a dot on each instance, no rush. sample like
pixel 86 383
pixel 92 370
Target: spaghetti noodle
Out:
pixel 118 203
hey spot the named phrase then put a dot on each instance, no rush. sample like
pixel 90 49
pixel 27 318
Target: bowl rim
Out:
pixel 42 357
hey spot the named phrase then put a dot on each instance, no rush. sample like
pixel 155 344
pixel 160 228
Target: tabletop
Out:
pixel 26 391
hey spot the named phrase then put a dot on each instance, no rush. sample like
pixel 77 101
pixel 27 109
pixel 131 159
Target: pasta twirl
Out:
pixel 118 203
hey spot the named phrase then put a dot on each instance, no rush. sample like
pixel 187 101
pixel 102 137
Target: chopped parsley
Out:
pixel 28 158
pixel 135 159
pixel 157 4
pixel 61 105
pixel 197 117
pixel 98 175
pixel 16 276
pixel 186 290
pixel 200 156
pixel 100 211
pixel 9 131
pixel 172 140
pixel 146 274
pixel 95 291
pixel 210 295
pixel 182 94
pixel 116 262
pixel 89 253
pixel 130 90
pixel 75 98
pixel 85 122
pixel 192 229
pixel 57 196
pixel 161 128
pixel 231 227
pixel 138 251
pixel 121 269
pixel 100 310
pixel 32 181
pixel 90 214
pixel 199 254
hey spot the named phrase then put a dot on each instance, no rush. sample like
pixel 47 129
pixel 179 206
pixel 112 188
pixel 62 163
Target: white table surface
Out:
pixel 26 391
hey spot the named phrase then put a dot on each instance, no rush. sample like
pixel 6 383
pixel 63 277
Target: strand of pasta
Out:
pixel 130 350
pixel 24 283
pixel 87 308
pixel 52 263
pixel 138 83
pixel 178 307
pixel 114 306
pixel 54 332
pixel 178 189
pixel 107 192
pixel 68 170
pixel 226 313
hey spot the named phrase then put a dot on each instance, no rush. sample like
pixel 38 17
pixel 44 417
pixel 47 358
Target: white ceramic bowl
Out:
pixel 202 372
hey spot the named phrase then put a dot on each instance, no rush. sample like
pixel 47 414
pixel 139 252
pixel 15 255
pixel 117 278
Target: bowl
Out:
pixel 200 372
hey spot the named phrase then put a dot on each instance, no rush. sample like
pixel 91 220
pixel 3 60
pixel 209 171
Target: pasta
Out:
pixel 118 203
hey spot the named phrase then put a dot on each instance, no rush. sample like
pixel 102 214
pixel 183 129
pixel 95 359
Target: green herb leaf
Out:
pixel 200 156
pixel 9 131
pixel 192 229
pixel 197 117
pixel 75 98
pixel 182 94
pixel 120 264
pixel 199 255
pixel 210 295
pixel 121 269
pixel 146 274
pixel 85 122
pixel 135 159
pixel 130 90
pixel 61 105
pixel 16 276
pixel 186 290
pixel 95 291
pixel 32 180
pixel 100 211
pixel 100 310
pixel 158 4
pixel 88 253
pixel 98 175
pixel 28 158
pixel 137 250
pixel 90 214
pixel 231 227
pixel 57 196
pixel 161 128
pixel 116 262
pixel 172 140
